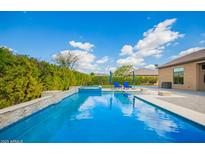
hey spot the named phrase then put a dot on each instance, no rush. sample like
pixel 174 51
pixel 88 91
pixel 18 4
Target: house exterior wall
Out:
pixel 190 76
pixel 201 79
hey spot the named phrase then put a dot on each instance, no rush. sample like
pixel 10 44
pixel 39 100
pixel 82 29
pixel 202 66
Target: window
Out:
pixel 203 67
pixel 204 78
pixel 178 75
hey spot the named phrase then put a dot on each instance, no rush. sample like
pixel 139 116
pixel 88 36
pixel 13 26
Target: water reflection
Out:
pixel 154 118
pixel 133 102
pixel 86 109
pixel 110 103
pixel 124 104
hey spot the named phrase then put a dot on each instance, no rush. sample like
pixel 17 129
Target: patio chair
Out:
pixel 117 85
pixel 126 85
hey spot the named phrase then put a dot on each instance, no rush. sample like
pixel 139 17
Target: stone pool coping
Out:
pixel 189 114
pixel 17 112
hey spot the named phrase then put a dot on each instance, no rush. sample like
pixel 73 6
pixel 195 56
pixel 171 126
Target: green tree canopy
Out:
pixel 92 73
pixel 123 70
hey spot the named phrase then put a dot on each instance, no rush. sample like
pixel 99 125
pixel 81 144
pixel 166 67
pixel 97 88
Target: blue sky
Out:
pixel 104 40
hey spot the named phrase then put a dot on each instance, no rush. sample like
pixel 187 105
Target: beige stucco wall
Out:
pixel 190 76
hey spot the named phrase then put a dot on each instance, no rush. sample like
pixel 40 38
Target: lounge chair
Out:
pixel 126 85
pixel 117 85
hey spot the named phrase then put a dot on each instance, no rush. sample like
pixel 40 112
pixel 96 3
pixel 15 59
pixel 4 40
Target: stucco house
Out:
pixel 186 72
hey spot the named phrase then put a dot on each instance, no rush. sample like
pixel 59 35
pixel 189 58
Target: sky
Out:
pixel 104 41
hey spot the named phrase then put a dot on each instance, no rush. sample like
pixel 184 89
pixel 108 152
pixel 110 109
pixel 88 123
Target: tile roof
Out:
pixel 145 72
pixel 195 56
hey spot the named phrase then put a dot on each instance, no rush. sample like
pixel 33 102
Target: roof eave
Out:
pixel 165 66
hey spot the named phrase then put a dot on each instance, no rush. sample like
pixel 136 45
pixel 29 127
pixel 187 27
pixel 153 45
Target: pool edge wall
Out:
pixel 17 112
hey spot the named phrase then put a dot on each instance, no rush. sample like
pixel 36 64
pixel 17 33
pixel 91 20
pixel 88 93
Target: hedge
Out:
pixel 139 80
pixel 23 78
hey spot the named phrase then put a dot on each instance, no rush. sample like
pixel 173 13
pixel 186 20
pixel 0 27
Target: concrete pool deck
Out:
pixel 193 100
pixel 187 113
pixel 188 104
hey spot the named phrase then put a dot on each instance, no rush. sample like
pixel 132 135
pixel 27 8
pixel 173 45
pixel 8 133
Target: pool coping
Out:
pixel 186 113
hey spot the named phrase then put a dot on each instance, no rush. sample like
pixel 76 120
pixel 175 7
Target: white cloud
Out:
pixel 202 41
pixel 109 68
pixel 188 51
pixel 112 68
pixel 84 46
pixel 86 60
pixel 131 60
pixel 155 39
pixel 126 50
pixel 154 42
pixel 150 66
pixel 175 44
pixel 102 60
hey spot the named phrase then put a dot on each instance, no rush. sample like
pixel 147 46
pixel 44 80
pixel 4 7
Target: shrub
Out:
pixel 23 78
pixel 139 80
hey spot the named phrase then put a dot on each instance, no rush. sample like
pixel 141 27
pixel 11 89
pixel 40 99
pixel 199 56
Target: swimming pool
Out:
pixel 103 117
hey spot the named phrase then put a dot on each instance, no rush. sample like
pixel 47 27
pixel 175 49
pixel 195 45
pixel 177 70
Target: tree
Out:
pixel 66 59
pixel 123 70
pixel 92 73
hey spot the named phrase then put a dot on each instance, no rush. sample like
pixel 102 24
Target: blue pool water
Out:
pixel 103 117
